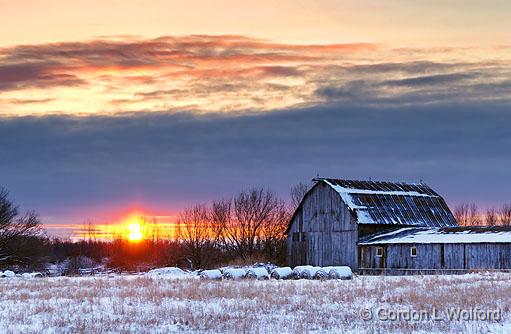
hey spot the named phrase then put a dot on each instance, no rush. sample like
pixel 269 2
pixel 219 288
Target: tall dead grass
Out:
pixel 159 305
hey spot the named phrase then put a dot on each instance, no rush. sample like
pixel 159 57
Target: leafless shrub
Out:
pixel 505 215
pixel 467 214
pixel 298 191
pixel 491 217
pixel 17 232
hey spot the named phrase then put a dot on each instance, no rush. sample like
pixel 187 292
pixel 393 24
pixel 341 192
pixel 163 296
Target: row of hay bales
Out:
pixel 258 273
pixel 322 273
pixel 11 274
pixel 282 273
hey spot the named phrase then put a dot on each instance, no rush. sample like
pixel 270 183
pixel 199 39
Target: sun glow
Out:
pixel 135 232
pixel 133 226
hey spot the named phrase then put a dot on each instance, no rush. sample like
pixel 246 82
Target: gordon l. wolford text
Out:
pixel 435 314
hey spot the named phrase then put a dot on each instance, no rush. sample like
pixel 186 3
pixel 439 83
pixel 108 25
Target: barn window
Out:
pixel 413 251
pixel 296 236
pixel 379 252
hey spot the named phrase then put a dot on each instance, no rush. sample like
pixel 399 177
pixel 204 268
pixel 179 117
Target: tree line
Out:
pixel 468 214
pixel 246 228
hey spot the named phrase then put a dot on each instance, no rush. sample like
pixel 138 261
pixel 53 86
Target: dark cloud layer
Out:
pixel 62 163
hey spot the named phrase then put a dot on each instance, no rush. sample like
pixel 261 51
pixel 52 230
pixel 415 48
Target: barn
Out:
pixel 436 250
pixel 394 227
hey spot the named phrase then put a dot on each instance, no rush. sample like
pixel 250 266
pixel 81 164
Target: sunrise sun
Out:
pixel 134 232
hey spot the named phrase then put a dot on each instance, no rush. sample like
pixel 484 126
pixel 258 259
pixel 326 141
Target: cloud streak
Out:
pixel 230 73
pixel 35 75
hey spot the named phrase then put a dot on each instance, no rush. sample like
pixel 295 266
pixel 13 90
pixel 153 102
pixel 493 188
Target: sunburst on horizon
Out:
pixel 135 232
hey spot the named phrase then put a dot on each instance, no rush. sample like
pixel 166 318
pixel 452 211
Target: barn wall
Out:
pixel 436 256
pixel 323 231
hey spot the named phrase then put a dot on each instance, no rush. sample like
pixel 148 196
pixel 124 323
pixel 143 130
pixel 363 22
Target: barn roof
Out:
pixel 446 235
pixel 392 203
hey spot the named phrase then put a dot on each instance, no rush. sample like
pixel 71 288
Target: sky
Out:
pixel 108 108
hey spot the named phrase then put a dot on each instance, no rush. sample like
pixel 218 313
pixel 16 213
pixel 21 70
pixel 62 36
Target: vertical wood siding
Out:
pixel 327 232
pixel 468 256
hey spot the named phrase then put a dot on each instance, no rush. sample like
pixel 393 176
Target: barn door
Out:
pixel 303 248
pixel 298 249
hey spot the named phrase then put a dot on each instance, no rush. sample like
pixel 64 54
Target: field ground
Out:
pixel 141 304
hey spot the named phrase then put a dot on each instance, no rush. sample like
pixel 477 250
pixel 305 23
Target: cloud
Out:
pixel 178 52
pixel 38 75
pixel 58 164
pixel 25 101
pixel 135 72
pixel 447 83
pixel 427 80
pixel 230 73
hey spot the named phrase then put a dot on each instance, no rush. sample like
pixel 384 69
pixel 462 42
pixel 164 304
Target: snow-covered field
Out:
pixel 161 304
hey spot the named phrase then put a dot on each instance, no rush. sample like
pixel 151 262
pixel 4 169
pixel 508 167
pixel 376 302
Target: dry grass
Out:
pixel 157 305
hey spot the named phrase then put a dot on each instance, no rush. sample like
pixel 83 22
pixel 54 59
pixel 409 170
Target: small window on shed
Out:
pixel 379 252
pixel 296 236
pixel 413 251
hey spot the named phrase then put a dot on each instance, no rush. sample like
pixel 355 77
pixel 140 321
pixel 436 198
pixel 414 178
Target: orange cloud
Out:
pixel 217 73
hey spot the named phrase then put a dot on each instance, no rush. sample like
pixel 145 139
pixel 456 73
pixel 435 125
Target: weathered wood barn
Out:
pixel 375 226
pixel 424 250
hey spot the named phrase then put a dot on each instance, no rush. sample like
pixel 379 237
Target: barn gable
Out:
pixel 322 230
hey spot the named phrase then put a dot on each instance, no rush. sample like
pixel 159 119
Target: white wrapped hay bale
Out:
pixel 298 270
pixel 8 274
pixel 341 273
pixel 259 273
pixel 234 273
pixel 323 273
pixel 282 273
pixel 31 275
pixel 211 274
pixel 308 273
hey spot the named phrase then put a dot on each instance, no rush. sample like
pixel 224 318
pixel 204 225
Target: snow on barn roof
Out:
pixel 393 203
pixel 446 235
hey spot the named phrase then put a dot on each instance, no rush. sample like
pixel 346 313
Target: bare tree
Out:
pixel 271 237
pixel 491 217
pixel 152 229
pixel 15 229
pixel 221 224
pixel 89 230
pixel 505 215
pixel 195 233
pixel 467 214
pixel 253 219
pixel 298 191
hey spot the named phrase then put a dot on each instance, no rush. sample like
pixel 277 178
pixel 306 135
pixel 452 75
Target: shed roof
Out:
pixel 448 235
pixel 391 203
